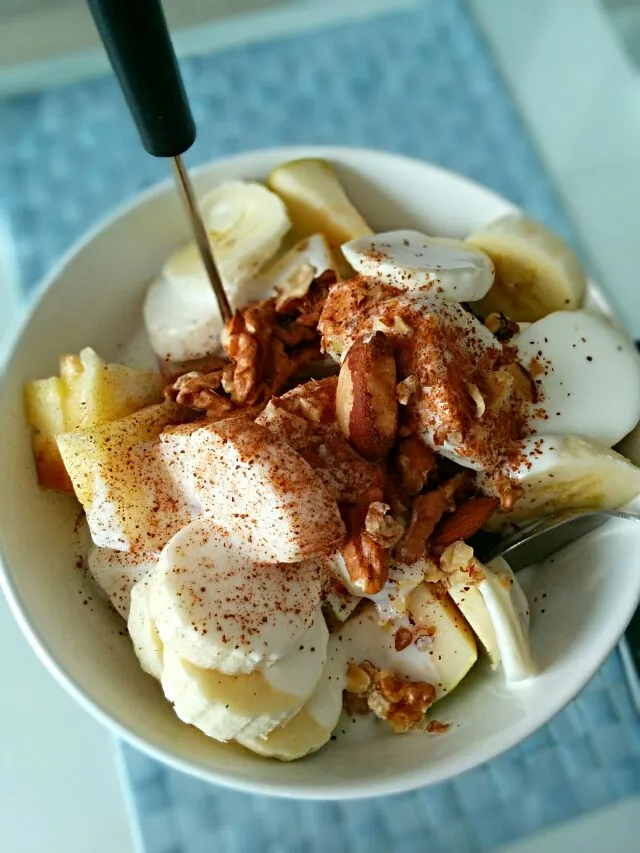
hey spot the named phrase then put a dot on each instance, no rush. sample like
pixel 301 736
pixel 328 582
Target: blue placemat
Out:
pixel 422 83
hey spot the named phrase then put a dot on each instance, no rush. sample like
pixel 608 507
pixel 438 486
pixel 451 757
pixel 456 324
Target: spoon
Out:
pixel 543 538
pixel 136 38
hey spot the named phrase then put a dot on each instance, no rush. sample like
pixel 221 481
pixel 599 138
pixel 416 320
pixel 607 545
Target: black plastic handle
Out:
pixel 136 38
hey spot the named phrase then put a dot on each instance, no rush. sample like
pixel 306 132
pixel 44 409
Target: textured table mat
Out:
pixel 418 82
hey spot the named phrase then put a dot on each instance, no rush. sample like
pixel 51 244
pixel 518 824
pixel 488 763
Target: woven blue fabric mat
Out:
pixel 418 82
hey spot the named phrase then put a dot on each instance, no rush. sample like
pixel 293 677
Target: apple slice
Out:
pixel 130 502
pixel 316 201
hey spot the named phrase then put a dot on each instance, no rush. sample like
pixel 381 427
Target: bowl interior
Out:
pixel 581 603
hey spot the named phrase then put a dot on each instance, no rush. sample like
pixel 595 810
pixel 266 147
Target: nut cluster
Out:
pixel 401 703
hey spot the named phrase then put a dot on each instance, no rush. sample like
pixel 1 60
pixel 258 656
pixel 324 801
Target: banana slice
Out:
pixel 316 201
pixel 245 223
pixel 291 275
pixel 258 487
pixel 535 271
pixel 562 473
pixel 588 376
pixel 249 705
pixel 407 259
pixel 443 650
pixel 130 502
pixel 305 418
pixel 498 612
pixel 116 572
pixel 217 608
pixel 311 727
pixel 146 640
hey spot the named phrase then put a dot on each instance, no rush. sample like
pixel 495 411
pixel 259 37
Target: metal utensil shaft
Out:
pixel 202 240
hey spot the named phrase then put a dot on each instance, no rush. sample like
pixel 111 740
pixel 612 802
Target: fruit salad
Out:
pixel 285 510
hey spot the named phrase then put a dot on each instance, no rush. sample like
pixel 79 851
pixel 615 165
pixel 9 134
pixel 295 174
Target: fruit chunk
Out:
pixel 587 376
pixel 366 401
pixel 291 275
pixel 257 487
pixel 97 392
pixel 311 727
pixel 442 648
pixel 497 610
pixel 316 201
pixel 535 271
pixel 44 405
pixel 564 473
pixel 410 260
pixel 245 223
pixel 253 704
pixel 131 504
pixel 89 392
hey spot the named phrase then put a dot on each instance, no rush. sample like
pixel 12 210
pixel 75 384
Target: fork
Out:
pixel 542 538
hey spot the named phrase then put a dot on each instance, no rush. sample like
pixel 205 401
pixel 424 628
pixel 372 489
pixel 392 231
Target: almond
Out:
pixel 366 401
pixel 466 520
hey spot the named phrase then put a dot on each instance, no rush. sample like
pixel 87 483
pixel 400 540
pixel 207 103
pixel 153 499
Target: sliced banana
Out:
pixel 258 487
pixel 250 705
pixel 443 650
pixel 311 727
pixel 305 418
pixel 563 473
pixel 498 612
pixel 217 608
pixel 130 502
pixel 407 259
pixel 245 223
pixel 146 640
pixel 117 571
pixel 588 376
pixel 316 201
pixel 291 275
pixel 535 271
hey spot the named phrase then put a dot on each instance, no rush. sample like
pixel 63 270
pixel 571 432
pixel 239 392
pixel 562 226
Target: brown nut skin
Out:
pixel 366 400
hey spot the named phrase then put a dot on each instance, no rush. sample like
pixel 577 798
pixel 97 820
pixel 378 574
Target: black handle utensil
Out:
pixel 136 38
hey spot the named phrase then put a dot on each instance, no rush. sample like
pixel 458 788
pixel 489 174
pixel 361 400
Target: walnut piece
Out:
pixel 426 512
pixel 382 526
pixel 367 563
pixel 401 703
pixel 414 462
pixel 199 391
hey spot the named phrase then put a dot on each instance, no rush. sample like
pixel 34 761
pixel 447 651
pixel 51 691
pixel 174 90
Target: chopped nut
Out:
pixel 399 702
pixel 438 728
pixel 478 399
pixel 406 389
pixel 424 635
pixel 426 512
pixel 466 520
pixel 456 557
pixel 503 328
pixel 415 461
pixel 366 403
pixel 382 526
pixel 366 562
pixel 402 639
pixel 358 680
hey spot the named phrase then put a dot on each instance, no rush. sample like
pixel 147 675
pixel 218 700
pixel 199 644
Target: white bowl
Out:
pixel 94 298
